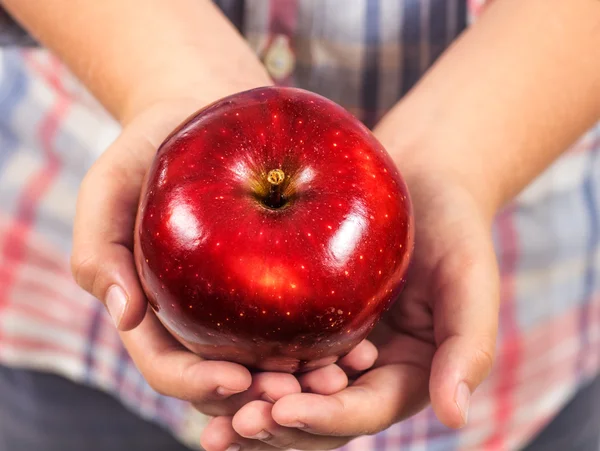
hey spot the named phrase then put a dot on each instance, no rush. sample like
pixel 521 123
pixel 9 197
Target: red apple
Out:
pixel 273 230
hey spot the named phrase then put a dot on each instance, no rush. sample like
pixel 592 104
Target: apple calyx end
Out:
pixel 275 198
pixel 276 177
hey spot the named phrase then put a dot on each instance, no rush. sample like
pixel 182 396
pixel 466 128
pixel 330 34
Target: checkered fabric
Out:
pixel 363 54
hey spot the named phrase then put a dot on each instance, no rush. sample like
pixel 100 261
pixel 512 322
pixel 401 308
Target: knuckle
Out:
pixel 159 388
pixel 383 416
pixel 282 443
pixel 379 419
pixel 372 429
pixel 152 375
pixel 194 385
pixel 169 379
pixel 463 262
pixel 341 409
pixel 183 381
pixel 85 268
pixel 213 409
pixel 483 359
pixel 155 384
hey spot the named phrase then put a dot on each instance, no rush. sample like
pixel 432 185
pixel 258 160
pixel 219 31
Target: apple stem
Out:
pixel 275 199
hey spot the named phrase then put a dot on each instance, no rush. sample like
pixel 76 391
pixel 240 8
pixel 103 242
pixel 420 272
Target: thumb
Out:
pixel 109 275
pixel 465 323
pixel 102 260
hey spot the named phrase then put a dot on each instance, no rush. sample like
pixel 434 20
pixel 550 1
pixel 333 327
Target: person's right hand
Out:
pixel 435 345
pixel 102 263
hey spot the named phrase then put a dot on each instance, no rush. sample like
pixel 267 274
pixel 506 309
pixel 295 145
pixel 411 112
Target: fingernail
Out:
pixel 267 398
pixel 222 391
pixel 262 435
pixel 116 301
pixel 463 398
pixel 234 447
pixel 297 424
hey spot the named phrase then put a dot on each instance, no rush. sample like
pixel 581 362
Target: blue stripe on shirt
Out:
pixel 13 88
pixel 592 202
pixel 411 44
pixel 370 85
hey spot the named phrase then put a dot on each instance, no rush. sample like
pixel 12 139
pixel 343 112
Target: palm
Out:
pixel 453 255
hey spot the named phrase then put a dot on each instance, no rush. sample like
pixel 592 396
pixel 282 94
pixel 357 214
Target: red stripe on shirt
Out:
pixel 15 242
pixel 509 355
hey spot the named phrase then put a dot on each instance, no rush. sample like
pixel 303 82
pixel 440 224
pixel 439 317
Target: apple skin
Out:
pixel 280 289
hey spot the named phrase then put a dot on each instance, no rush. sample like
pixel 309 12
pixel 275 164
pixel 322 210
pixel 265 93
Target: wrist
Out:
pixel 197 90
pixel 427 162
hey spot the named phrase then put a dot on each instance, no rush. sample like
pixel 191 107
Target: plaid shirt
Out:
pixel 547 240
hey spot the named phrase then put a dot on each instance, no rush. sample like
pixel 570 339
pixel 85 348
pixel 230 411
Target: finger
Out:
pixel 219 435
pixel 269 387
pixel 378 399
pixel 325 381
pixel 360 359
pixel 465 324
pixel 254 421
pixel 174 371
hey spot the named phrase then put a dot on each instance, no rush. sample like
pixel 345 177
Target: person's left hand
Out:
pixel 103 258
pixel 435 345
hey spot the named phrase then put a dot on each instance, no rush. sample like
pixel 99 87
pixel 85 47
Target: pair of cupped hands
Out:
pixel 435 345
